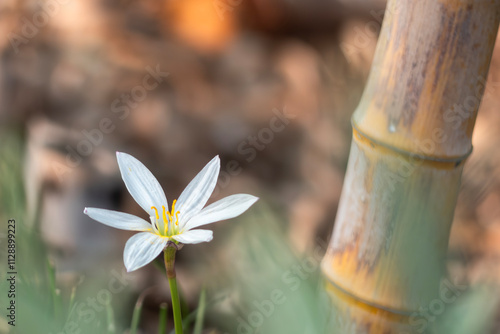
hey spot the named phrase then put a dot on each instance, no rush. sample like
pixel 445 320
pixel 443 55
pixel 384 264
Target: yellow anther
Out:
pixel 177 218
pixel 156 211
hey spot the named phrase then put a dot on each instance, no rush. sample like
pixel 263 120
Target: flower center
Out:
pixel 170 221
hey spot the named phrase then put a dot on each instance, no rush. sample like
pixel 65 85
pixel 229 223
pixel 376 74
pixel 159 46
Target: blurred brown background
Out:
pixel 268 85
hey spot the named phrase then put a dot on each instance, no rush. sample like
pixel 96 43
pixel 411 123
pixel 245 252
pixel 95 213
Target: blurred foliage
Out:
pixel 11 169
pixel 50 308
pixel 267 287
pixel 259 285
pixel 473 313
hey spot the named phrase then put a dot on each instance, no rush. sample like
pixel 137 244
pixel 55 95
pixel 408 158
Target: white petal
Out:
pixel 141 249
pixel 121 220
pixel 194 236
pixel 226 208
pixel 141 183
pixel 198 191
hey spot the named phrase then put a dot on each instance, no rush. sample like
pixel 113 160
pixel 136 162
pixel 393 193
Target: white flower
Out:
pixel 176 225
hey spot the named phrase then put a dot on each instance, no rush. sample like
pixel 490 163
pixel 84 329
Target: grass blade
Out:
pixel 110 318
pixel 200 313
pixel 136 316
pixel 162 323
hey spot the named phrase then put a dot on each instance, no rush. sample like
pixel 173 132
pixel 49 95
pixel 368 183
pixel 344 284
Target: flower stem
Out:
pixel 169 253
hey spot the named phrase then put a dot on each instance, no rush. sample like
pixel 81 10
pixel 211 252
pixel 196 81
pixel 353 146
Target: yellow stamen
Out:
pixel 173 208
pixel 165 220
pixel 164 215
pixel 156 211
pixel 176 214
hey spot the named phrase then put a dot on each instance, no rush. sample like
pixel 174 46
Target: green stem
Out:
pixel 172 281
pixel 176 305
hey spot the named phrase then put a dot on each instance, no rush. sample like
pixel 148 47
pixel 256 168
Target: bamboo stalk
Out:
pixel 411 135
